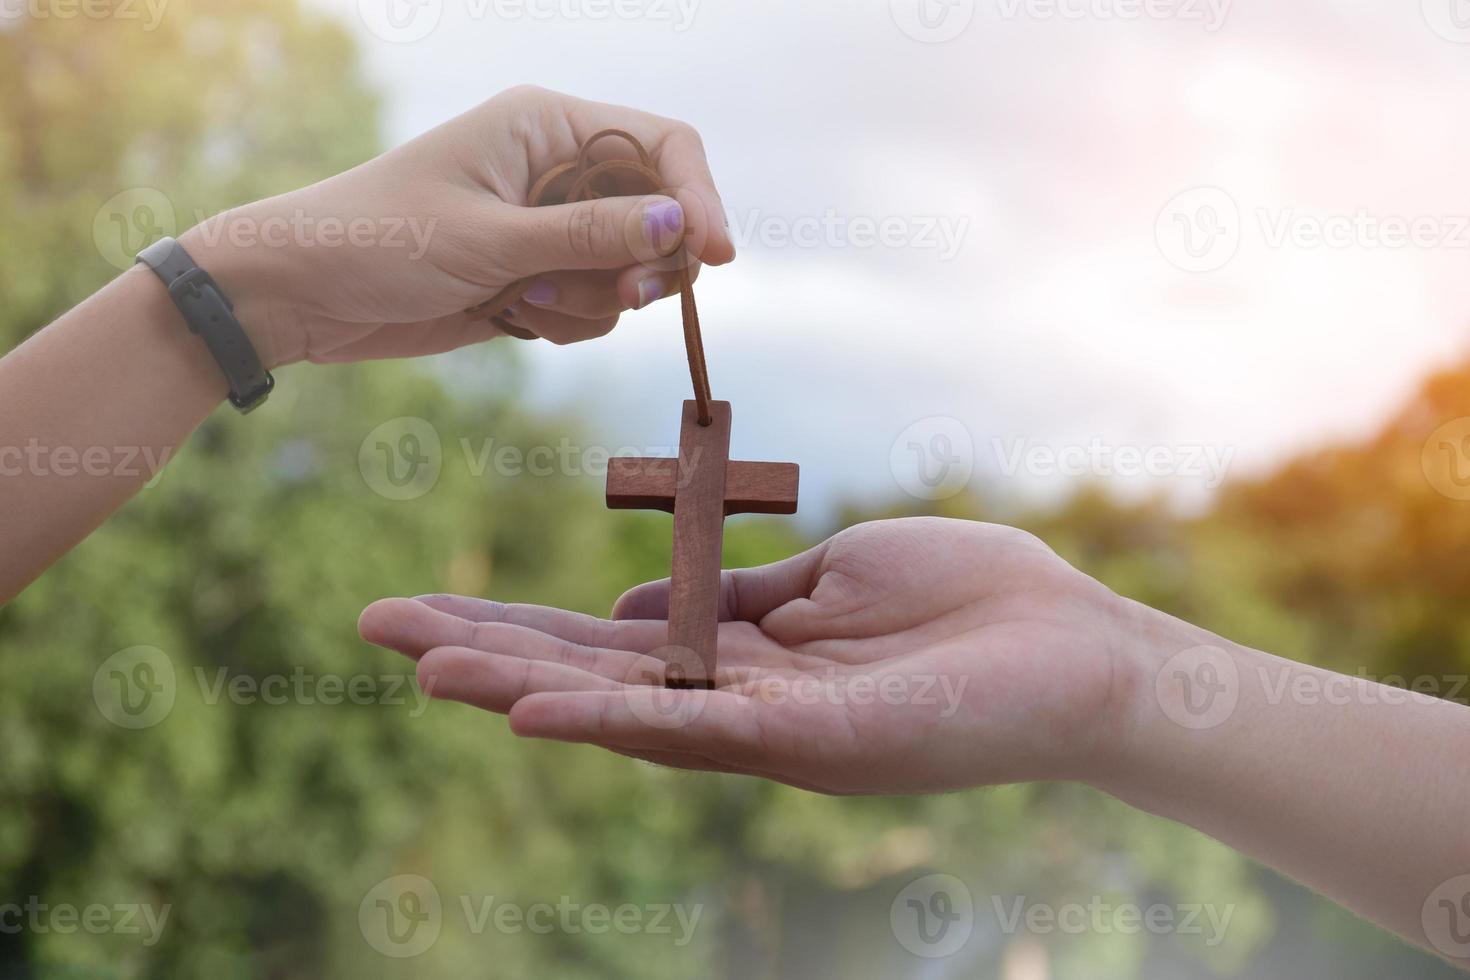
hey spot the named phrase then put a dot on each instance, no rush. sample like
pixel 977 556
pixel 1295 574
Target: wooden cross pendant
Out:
pixel 700 488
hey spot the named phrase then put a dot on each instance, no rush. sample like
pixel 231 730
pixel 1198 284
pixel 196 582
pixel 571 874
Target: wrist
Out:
pixel 252 277
pixel 1173 685
pixel 168 353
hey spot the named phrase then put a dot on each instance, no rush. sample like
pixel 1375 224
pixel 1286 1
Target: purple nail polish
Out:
pixel 666 218
pixel 541 293
pixel 650 290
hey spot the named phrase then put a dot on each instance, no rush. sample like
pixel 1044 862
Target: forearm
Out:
pixel 91 408
pixel 1356 789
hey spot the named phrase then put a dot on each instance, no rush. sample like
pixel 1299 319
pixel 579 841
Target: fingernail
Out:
pixel 662 223
pixel 541 293
pixel 650 290
pixel 511 312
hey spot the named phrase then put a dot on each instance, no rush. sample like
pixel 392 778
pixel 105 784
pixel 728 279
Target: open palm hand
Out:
pixel 901 656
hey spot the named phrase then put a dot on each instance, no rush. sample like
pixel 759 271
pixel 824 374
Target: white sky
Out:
pixel 1054 143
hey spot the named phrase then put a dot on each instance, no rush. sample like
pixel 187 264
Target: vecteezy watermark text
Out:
pixel 1100 916
pixel 1211 14
pixel 408 21
pixel 63 918
pixel 134 218
pixel 148 13
pixel 121 462
pixel 941 234
pixel 938 21
pixel 1202 229
pixel 305 688
pixel 1208 464
pixel 137 688
pixel 835 689
pixel 1292 685
pixel 403 916
pixel 1363 229
pixel 1200 688
pixel 935 458
pixel 302 230
pixel 567 917
pixel 566 458
pixel 403 458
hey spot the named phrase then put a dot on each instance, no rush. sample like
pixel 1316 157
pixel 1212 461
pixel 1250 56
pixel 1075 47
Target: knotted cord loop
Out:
pixel 583 173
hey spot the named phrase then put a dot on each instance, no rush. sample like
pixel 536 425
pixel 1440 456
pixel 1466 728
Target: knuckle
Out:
pixel 523 92
pixel 1022 539
pixel 591 229
pixel 526 681
pixel 478 636
pixel 426 674
pixel 687 132
pixel 605 634
pixel 574 655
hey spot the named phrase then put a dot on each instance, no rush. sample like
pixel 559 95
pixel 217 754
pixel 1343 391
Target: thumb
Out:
pixel 746 594
pixel 609 233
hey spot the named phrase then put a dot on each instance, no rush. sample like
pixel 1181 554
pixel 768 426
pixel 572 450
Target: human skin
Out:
pixel 927 655
pixel 92 405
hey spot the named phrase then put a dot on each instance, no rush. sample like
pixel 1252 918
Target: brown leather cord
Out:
pixel 583 174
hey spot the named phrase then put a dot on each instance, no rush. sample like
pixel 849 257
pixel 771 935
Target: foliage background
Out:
pixel 264 826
